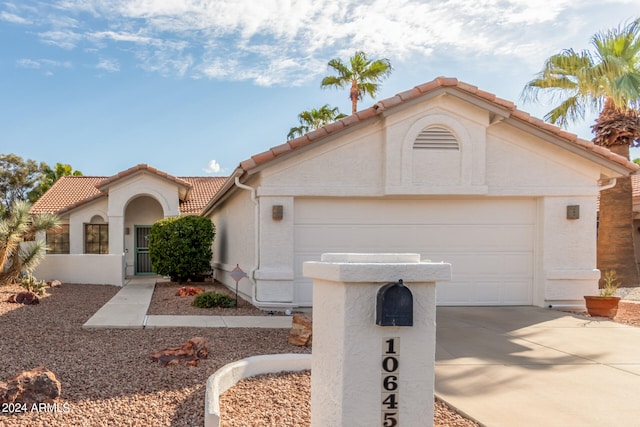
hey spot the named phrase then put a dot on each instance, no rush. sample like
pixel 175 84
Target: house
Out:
pixel 445 170
pixel 106 221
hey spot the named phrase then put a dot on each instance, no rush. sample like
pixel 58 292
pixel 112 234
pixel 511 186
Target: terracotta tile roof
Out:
pixel 70 192
pixel 440 85
pixel 203 188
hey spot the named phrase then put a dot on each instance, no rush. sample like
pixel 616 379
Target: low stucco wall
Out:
pixel 227 376
pixel 82 268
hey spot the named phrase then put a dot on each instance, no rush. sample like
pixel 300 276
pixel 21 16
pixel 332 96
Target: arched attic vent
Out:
pixel 436 138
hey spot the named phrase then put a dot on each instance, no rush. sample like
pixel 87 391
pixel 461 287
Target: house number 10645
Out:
pixel 390 381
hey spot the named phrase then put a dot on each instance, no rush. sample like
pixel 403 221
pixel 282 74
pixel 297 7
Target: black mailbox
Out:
pixel 394 305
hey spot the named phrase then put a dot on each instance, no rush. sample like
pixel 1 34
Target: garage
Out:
pixel 445 170
pixel 488 241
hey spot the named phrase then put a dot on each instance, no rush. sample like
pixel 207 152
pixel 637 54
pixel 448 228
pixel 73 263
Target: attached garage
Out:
pixel 489 242
pixel 445 170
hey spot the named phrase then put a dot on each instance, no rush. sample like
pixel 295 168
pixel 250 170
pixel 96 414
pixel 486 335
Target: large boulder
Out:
pixel 301 330
pixel 39 385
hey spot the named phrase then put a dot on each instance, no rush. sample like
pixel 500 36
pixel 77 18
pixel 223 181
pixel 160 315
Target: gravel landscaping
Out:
pixel 165 301
pixel 109 379
pixel 107 376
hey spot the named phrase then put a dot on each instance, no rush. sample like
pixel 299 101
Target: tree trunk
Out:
pixel 616 249
pixel 11 274
pixel 354 94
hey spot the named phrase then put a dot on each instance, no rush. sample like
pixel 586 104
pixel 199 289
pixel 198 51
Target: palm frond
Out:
pixel 31 254
pixel 569 111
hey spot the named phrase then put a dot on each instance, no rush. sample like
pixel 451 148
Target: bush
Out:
pixel 180 247
pixel 33 285
pixel 213 299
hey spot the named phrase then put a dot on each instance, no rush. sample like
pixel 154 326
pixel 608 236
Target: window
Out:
pixel 58 240
pixel 96 238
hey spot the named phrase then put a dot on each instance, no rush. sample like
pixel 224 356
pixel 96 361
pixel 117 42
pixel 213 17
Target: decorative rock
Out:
pixel 39 385
pixel 301 330
pixel 189 353
pixel 189 291
pixel 55 284
pixel 26 298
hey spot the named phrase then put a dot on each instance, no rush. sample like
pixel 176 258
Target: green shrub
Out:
pixel 33 285
pixel 180 247
pixel 213 299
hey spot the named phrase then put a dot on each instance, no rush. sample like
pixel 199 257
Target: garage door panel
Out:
pixel 427 237
pixel 487 264
pixel 483 293
pixel 440 211
pixel 489 242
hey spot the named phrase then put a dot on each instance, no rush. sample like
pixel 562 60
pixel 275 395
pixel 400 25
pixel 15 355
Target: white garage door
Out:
pixel 489 242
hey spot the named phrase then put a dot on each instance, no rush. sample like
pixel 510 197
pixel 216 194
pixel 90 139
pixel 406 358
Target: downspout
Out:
pixel 256 227
pixel 611 184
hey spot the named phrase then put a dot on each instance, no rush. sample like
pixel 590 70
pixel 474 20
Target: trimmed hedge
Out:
pixel 180 247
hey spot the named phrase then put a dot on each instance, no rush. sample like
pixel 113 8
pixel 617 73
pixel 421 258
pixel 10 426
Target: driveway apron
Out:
pixel 530 366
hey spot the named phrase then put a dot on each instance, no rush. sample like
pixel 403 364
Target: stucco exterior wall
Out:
pixel 84 215
pixel 121 193
pixel 141 199
pixel 84 269
pixel 496 158
pixel 235 241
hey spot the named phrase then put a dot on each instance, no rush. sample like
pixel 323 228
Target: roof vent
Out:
pixel 436 138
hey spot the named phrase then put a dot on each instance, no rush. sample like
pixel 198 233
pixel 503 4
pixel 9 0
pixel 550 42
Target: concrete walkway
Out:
pixel 530 366
pixel 128 310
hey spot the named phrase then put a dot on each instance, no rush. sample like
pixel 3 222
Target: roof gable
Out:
pixel 142 168
pixel 499 109
pixel 71 192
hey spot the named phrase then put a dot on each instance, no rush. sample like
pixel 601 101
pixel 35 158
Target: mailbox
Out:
pixel 394 305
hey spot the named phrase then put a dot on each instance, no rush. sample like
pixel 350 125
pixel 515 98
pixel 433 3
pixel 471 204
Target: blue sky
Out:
pixel 193 87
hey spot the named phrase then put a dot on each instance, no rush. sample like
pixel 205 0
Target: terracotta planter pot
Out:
pixel 602 306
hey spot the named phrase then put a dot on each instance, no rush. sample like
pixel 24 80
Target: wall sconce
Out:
pixel 127 231
pixel 277 212
pixel 573 212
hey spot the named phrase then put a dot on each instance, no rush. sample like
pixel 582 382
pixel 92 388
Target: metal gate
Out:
pixel 142 260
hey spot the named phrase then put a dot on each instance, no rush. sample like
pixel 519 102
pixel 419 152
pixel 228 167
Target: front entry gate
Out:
pixel 143 261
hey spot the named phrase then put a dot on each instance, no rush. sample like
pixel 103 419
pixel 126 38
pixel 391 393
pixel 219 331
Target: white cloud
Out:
pixel 123 37
pixel 213 167
pixel 65 39
pixel 28 63
pixel 13 18
pixel 275 42
pixel 109 65
pixel 42 63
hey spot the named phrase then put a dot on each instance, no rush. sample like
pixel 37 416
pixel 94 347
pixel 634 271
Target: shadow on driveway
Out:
pixel 530 366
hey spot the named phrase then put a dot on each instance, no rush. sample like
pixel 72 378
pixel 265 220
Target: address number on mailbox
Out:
pixel 390 381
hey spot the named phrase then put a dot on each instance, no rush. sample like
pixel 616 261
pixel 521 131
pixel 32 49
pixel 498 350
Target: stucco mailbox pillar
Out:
pixel 363 373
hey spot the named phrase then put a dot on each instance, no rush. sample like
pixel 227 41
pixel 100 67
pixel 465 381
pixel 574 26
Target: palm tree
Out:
pixel 18 226
pixel 361 75
pixel 606 79
pixel 314 119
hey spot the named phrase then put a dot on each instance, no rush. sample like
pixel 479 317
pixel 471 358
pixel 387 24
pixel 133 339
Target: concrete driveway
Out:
pixel 530 366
